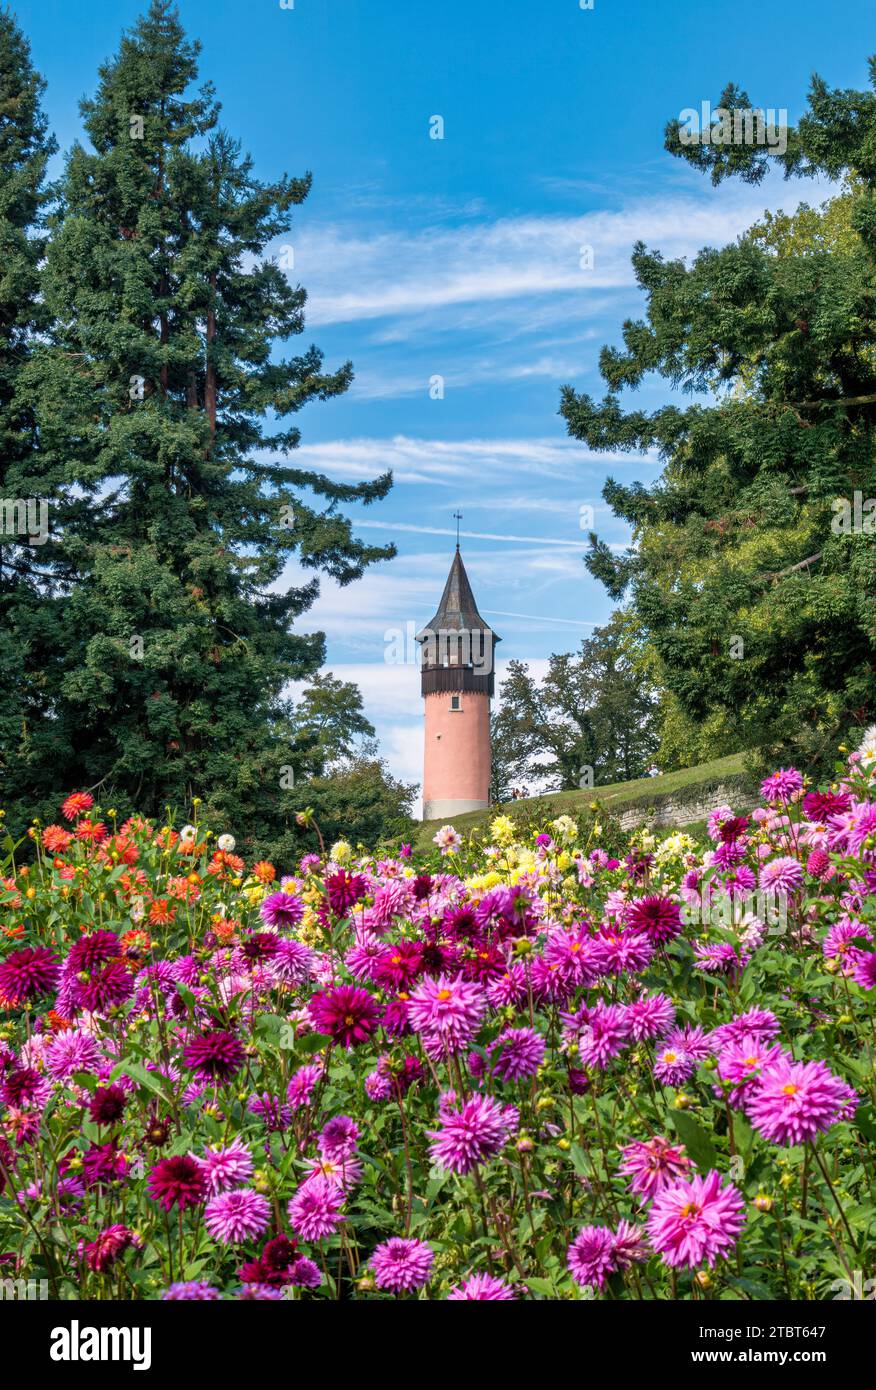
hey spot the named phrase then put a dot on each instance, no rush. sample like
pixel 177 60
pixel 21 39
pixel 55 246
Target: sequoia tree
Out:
pixel 164 408
pixel 753 568
pixel 30 631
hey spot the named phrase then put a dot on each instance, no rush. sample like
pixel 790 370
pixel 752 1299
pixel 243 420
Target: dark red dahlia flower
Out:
pixel 103 1252
pixel 346 1014
pixel 422 887
pixel 261 945
pixel 732 828
pixel 217 1055
pixel 177 1182
pixel 28 973
pixel 21 1085
pixel 101 989
pixel 343 890
pixel 103 1163
pixel 659 919
pixel 819 806
pixel 107 1105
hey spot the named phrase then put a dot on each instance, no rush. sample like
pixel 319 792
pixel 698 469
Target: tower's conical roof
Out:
pixel 457 611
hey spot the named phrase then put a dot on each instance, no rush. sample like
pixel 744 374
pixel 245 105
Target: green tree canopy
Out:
pixel 591 721
pixel 758 604
pixel 182 532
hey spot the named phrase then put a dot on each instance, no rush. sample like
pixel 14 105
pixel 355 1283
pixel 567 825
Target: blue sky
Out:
pixel 461 258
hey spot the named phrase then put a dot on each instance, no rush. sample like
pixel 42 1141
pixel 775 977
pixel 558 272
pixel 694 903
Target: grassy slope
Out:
pixel 616 797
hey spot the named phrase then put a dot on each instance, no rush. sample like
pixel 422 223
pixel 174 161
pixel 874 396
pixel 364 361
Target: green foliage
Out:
pixel 161 623
pixel 594 710
pixel 759 611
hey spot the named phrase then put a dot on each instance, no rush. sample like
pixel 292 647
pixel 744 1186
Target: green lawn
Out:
pixel 617 796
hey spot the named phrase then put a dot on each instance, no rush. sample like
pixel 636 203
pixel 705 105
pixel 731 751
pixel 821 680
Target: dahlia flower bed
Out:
pixel 522 1069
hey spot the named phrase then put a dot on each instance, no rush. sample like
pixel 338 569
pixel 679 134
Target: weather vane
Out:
pixel 457 516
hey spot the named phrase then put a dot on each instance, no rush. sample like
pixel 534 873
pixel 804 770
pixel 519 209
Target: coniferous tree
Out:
pixel 753 575
pixel 163 408
pixel 30 631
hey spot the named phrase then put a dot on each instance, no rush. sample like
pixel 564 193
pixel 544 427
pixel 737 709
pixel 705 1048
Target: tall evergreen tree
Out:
pixel 160 402
pixel 752 574
pixel 30 635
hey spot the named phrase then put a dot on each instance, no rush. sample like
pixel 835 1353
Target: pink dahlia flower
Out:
pixel 233 1217
pixel 315 1210
pixel 472 1134
pixel 695 1221
pixel 402 1264
pixel 783 875
pixel 653 1164
pixel 446 1012
pixel 226 1166
pixel 795 1101
pixel 481 1286
pixel 591 1256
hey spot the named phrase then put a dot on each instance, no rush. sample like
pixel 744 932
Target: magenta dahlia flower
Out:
pixel 695 1221
pixel 226 1166
pixel 177 1182
pixel 194 1290
pixel 865 970
pixel 742 1062
pixel 28 973
pixel 234 1217
pixel 650 1017
pixel 783 875
pixel 217 1056
pixel 796 1101
pixel 299 1092
pixel 337 1138
pixel 653 1164
pixel 604 1035
pixel 447 1013
pixel 315 1210
pixel 102 988
pixel 481 1286
pixel 346 1014
pixel 472 1134
pixel 281 910
pixel 516 1054
pixel 757 1023
pixel 781 785
pixel 402 1264
pixel 591 1256
pixel 657 917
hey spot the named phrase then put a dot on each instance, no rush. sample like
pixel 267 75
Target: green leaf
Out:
pixel 695 1140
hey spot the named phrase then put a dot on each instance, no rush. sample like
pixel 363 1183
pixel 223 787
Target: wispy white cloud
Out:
pixel 391 273
pixel 447 462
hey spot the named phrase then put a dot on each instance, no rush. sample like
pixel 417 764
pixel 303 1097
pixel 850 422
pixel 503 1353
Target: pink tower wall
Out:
pixel 456 763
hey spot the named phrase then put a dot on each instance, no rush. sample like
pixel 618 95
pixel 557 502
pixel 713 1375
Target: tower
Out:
pixel 457 683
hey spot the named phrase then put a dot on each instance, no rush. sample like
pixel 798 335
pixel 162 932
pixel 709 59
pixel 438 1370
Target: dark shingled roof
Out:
pixel 457 611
